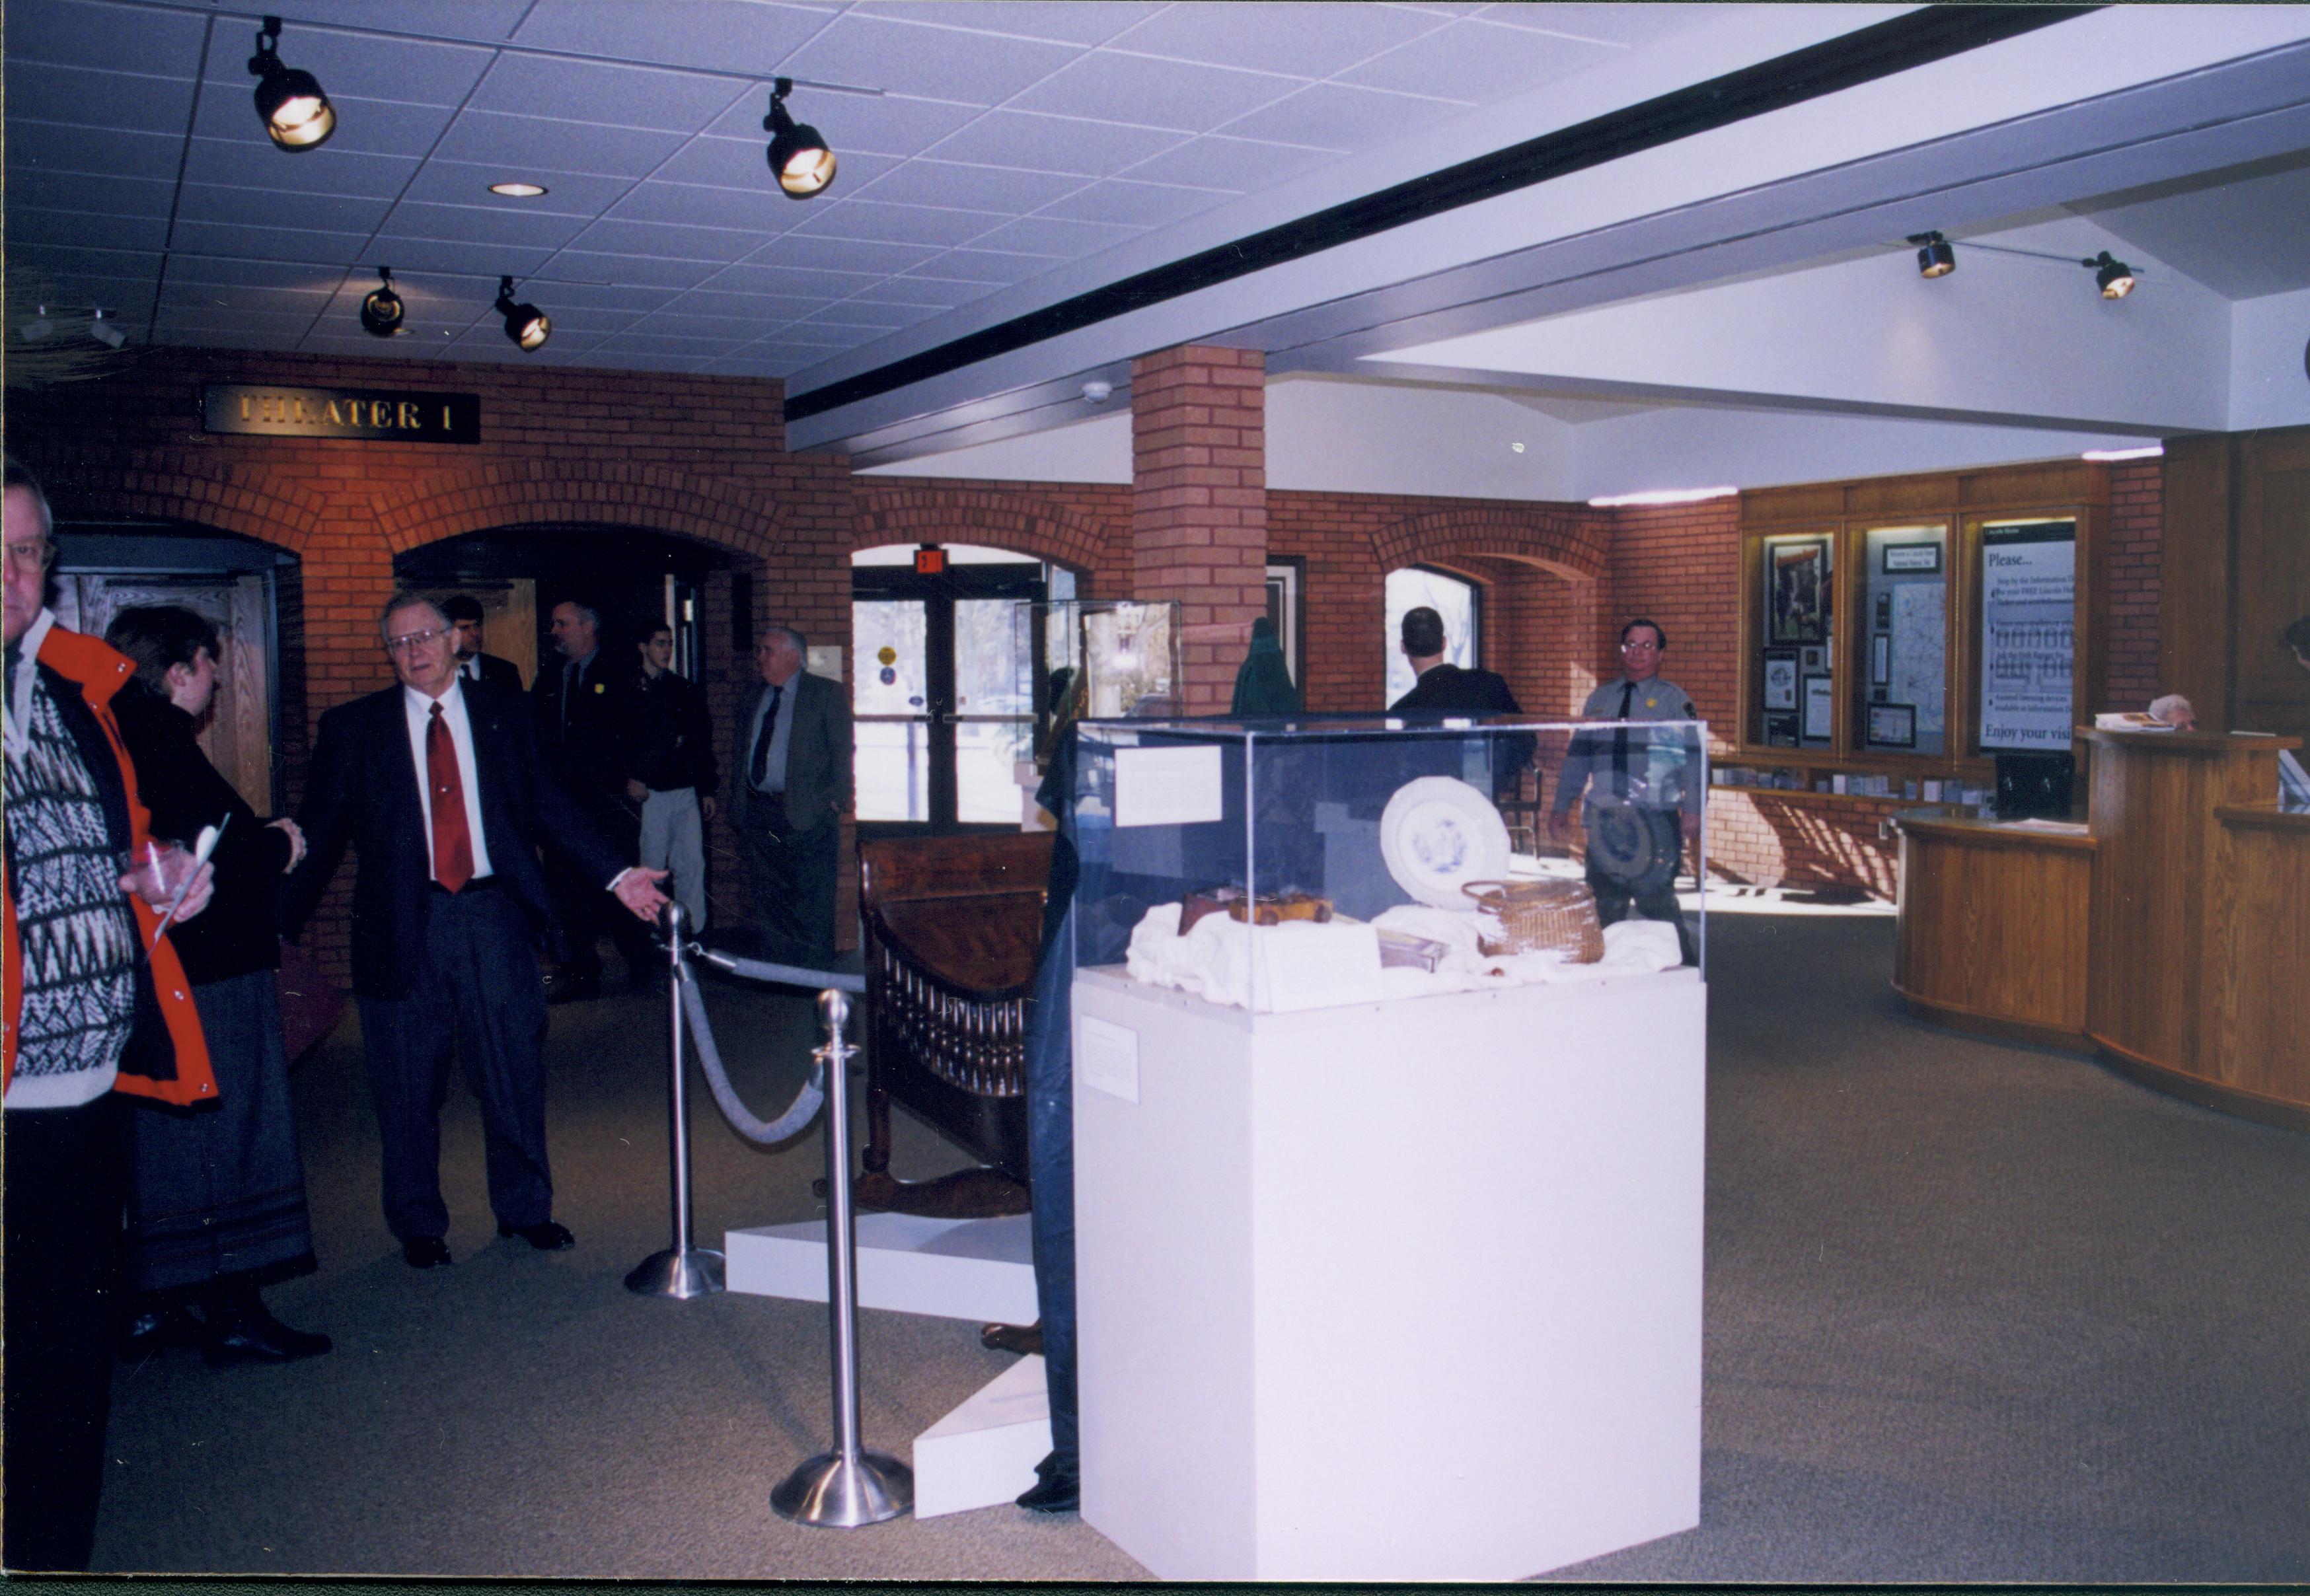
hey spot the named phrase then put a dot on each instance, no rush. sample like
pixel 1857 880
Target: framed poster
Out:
pixel 1813 656
pixel 1796 595
pixel 1921 557
pixel 1892 725
pixel 1819 710
pixel 1780 678
pixel 1780 731
pixel 2028 646
pixel 1880 660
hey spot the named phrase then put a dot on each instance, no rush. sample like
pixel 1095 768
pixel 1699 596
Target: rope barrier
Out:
pixel 798 1115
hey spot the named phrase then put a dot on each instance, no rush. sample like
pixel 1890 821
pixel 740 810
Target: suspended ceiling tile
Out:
pixel 186 266
pixel 47 147
pixel 972 188
pixel 209 201
pixel 898 224
pixel 109 38
pixel 83 98
pixel 208 298
pixel 129 298
pixel 617 358
pixel 83 229
pixel 724 330
pixel 1134 205
pixel 577 319
pixel 665 239
pixel 405 253
pixel 624 96
pixel 867 321
pixel 55 261
pixel 1055 143
pixel 1023 18
pixel 1270 36
pixel 909 58
pixel 1607 24
pixel 489 138
pixel 1344 118
pixel 482 224
pixel 926 292
pixel 1218 161
pixel 807 282
pixel 480 21
pixel 364 126
pixel 878 124
pixel 729 306
pixel 427 345
pixel 326 170
pixel 293 323
pixel 228 336
pixel 629 269
pixel 842 255
pixel 268 243
pixel 1481 62
pixel 80 191
pixel 985 265
pixel 637 297
pixel 363 65
pixel 760 214
pixel 711 35
pixel 567 193
pixel 1048 235
pixel 1185 96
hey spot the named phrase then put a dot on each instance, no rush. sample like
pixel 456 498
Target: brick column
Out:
pixel 1199 504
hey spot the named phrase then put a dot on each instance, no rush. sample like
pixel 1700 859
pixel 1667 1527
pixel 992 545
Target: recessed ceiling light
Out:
pixel 518 190
pixel 1662 495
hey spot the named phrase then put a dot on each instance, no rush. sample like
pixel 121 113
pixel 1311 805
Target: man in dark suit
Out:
pixel 583 714
pixel 792 783
pixel 438 786
pixel 1443 689
pixel 465 614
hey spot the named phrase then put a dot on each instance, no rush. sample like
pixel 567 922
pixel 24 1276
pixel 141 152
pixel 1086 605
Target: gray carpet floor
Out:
pixel 1975 1313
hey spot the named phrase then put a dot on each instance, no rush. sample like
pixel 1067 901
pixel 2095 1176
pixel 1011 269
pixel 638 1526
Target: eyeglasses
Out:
pixel 1637 645
pixel 410 642
pixel 28 554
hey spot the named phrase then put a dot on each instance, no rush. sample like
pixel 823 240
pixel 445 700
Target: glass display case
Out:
pixel 1097 658
pixel 1278 866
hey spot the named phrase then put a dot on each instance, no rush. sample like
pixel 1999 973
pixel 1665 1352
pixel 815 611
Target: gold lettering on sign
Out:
pixel 331 416
pixel 409 415
pixel 244 407
pixel 445 418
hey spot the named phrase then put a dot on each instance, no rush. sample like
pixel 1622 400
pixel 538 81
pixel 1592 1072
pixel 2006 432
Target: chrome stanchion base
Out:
pixel 839 1493
pixel 680 1275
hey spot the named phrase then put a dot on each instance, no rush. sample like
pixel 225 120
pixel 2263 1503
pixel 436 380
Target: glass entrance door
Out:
pixel 942 697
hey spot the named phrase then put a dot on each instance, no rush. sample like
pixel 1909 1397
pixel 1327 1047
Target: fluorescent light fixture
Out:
pixel 518 190
pixel 1661 496
pixel 2151 453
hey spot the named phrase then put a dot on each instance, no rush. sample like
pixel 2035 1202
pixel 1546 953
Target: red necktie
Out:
pixel 452 844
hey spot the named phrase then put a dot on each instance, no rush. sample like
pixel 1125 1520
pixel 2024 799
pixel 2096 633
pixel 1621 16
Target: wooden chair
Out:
pixel 950 926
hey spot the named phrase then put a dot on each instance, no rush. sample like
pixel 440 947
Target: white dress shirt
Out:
pixel 420 710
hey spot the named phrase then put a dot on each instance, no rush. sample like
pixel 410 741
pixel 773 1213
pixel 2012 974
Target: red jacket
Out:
pixel 174 1068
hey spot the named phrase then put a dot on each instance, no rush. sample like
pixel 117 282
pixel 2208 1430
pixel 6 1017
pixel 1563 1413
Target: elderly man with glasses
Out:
pixel 438 786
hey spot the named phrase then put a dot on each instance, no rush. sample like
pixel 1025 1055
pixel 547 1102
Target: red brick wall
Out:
pixel 2137 520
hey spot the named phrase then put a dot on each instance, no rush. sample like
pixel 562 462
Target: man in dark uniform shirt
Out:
pixel 465 614
pixel 582 719
pixel 1447 690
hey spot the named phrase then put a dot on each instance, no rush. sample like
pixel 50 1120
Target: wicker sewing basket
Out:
pixel 1541 918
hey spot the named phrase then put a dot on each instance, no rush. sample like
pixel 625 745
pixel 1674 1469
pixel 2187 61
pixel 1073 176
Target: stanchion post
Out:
pixel 850 1486
pixel 684 1270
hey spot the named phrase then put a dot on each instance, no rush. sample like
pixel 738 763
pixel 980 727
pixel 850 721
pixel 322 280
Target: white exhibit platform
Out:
pixel 984 1453
pixel 953 1268
pixel 1389 1291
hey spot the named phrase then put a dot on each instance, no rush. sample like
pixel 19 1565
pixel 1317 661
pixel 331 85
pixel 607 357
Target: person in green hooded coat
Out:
pixel 1262 686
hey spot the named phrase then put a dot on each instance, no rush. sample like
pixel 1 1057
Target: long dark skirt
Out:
pixel 219 1189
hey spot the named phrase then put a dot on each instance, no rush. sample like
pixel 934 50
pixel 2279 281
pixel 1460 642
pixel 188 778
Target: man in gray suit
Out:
pixel 791 761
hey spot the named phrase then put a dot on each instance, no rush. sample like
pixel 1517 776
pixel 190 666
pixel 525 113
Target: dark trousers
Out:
pixel 791 877
pixel 1051 1177
pixel 478 996
pixel 586 911
pixel 62 1197
pixel 1652 890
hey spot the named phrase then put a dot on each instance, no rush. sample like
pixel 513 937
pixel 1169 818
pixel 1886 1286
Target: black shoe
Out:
pixel 545 1236
pixel 425 1252
pixel 566 986
pixel 1058 1487
pixel 254 1335
pixel 156 1324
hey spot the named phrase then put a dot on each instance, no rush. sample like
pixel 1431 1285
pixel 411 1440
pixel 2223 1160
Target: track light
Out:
pixel 297 116
pixel 2112 276
pixel 525 325
pixel 1935 258
pixel 382 310
pixel 799 158
pixel 101 328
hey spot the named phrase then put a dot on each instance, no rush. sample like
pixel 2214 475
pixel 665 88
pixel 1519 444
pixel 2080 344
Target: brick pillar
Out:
pixel 1199 504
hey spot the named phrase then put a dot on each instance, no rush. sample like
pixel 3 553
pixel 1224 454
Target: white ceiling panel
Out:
pixel 568 193
pixel 805 282
pixel 109 38
pixel 1055 143
pixel 364 126
pixel 760 309
pixel 268 243
pixel 922 291
pixel 129 298
pixel 719 245
pixel 1613 24
pixel 744 163
pixel 47 147
pixel 762 214
pixel 623 296
pixel 1361 116
pixel 629 269
pixel 231 334
pixel 970 188
pixel 489 138
pixel 896 124
pixel 233 270
pixel 914 57
pixel 205 298
pixel 83 229
pixel 1139 205
pixel 483 22
pixel 85 97
pixel 1480 60
pixel 60 265
pixel 742 35
pixel 623 96
pixel 352 66
pixel 1270 36
pixel 1024 19
pixel 483 224
pixel 983 266
pixel 324 212
pixel 843 254
pixel 1218 161
pixel 405 253
pixel 1184 96
pixel 327 171
pixel 1061 241
pixel 80 191
pixel 898 224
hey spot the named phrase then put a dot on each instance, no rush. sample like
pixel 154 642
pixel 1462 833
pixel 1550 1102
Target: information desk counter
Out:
pixel 2174 938
pixel 1389 1291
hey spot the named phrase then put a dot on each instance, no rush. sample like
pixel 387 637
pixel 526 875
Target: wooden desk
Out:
pixel 1994 927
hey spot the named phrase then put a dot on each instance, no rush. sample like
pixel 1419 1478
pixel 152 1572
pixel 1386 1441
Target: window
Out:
pixel 1451 597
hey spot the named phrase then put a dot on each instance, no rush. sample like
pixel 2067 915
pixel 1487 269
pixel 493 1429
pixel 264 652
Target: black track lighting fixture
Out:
pixel 2112 276
pixel 528 327
pixel 297 116
pixel 799 158
pixel 382 310
pixel 1935 258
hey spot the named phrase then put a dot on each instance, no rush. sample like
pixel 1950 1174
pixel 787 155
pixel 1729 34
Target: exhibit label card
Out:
pixel 1314 967
pixel 1107 1056
pixel 1167 787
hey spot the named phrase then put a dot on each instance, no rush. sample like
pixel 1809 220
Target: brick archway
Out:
pixel 223 499
pixel 1556 541
pixel 434 508
pixel 995 517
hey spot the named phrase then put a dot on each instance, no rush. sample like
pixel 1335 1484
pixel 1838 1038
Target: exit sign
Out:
pixel 930 561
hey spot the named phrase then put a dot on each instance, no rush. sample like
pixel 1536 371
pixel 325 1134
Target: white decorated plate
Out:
pixel 1437 834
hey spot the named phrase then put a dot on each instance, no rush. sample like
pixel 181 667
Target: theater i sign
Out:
pixel 374 415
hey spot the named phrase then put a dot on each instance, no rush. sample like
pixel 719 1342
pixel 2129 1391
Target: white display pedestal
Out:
pixel 1405 1291
pixel 955 1269
pixel 984 1453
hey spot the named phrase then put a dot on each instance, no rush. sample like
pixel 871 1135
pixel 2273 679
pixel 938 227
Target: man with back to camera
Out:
pixel 582 717
pixel 1643 792
pixel 97 1008
pixel 1443 689
pixel 439 785
pixel 791 782
pixel 671 746
pixel 465 614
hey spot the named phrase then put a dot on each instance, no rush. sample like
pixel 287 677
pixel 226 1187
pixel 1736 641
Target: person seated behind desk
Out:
pixel 2173 710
